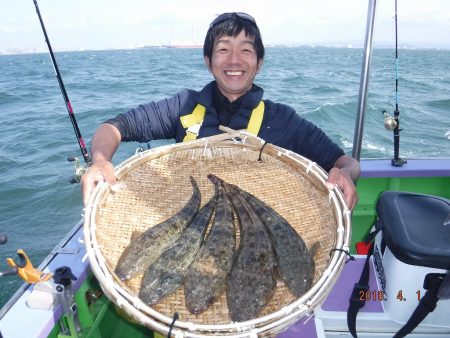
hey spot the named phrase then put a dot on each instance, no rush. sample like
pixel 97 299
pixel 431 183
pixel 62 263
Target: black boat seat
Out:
pixel 416 228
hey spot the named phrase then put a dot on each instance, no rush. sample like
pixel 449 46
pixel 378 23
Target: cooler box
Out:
pixel 414 241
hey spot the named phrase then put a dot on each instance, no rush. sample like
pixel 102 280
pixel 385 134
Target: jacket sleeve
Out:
pixel 151 121
pixel 291 131
pixel 315 145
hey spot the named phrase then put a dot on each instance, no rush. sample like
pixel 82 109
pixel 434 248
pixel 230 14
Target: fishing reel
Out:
pixel 389 121
pixel 392 123
pixel 80 170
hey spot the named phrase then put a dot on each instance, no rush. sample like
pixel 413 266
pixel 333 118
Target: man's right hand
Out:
pixel 102 171
pixel 104 144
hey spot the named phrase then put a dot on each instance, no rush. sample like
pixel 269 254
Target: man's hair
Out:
pixel 232 25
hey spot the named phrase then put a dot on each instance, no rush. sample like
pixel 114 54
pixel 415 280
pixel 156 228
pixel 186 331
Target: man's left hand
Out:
pixel 345 172
pixel 340 178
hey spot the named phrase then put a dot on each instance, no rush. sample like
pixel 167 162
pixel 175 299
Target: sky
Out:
pixel 109 24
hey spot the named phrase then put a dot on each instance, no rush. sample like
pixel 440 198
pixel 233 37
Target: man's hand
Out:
pixel 102 171
pixel 344 173
pixel 103 145
pixel 343 181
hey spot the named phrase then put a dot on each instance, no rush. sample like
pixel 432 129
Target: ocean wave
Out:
pixel 6 98
pixel 369 149
pixel 322 89
pixel 440 104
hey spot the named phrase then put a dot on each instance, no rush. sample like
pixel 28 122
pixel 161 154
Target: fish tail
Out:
pixel 215 179
pixel 230 188
pixel 194 183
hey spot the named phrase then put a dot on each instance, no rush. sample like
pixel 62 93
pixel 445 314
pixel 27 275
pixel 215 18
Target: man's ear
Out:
pixel 207 61
pixel 260 63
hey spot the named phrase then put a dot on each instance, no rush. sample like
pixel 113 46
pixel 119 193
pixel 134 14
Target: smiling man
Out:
pixel 234 53
pixel 234 63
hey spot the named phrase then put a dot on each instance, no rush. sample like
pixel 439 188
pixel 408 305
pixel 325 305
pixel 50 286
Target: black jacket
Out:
pixel 281 125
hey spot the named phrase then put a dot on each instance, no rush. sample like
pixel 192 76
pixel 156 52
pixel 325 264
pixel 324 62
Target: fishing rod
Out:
pixel 81 143
pixel 393 123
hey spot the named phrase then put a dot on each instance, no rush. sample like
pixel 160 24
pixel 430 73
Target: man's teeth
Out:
pixel 234 73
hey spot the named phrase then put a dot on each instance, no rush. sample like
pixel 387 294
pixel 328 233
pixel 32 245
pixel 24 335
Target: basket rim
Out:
pixel 160 322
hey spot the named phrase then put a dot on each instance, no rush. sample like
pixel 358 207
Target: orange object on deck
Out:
pixel 26 270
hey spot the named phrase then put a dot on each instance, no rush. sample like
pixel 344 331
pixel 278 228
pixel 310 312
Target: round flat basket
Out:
pixel 155 184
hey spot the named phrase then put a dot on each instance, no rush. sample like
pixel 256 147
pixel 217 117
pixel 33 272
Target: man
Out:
pixel 234 53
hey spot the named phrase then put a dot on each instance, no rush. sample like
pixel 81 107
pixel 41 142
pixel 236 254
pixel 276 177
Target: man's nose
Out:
pixel 235 56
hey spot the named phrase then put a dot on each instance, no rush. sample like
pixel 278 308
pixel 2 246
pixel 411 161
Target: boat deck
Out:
pixel 21 320
pixel 330 319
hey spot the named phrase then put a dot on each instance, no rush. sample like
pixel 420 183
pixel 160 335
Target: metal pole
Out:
pixel 364 83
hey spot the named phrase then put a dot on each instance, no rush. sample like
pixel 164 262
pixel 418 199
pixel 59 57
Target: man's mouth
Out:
pixel 234 72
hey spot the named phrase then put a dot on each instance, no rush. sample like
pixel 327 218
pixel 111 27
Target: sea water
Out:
pixel 38 205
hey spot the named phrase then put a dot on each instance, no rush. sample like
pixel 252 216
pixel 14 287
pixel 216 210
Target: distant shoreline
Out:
pixel 196 46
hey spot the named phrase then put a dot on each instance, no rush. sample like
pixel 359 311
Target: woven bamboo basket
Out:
pixel 154 184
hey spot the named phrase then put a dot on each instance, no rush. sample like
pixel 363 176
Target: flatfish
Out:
pixel 295 263
pixel 251 283
pixel 167 273
pixel 206 277
pixel 144 249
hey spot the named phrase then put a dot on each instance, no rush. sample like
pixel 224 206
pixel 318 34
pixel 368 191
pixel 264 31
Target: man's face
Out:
pixel 234 64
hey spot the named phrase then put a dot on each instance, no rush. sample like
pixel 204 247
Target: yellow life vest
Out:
pixel 192 122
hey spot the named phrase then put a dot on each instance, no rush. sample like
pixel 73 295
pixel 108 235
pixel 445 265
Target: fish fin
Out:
pixel 314 248
pixel 135 235
pixel 277 273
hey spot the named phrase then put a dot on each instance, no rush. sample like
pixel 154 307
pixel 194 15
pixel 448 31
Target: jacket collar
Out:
pixel 248 101
pixel 239 119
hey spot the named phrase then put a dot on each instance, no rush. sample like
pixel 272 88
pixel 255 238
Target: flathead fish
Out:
pixel 148 246
pixel 295 263
pixel 167 273
pixel 206 277
pixel 251 283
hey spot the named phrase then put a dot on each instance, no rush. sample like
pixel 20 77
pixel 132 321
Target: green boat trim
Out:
pixel 96 316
